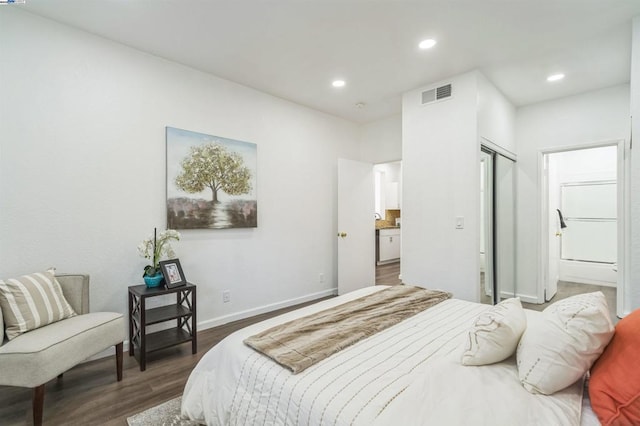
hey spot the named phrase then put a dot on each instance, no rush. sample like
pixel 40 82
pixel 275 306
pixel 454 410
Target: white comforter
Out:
pixel 408 374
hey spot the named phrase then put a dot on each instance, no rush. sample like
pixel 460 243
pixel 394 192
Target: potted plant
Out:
pixel 157 248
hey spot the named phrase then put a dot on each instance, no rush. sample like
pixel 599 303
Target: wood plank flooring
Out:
pixel 388 274
pixel 90 395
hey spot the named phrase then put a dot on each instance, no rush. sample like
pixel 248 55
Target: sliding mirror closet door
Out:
pixel 505 231
pixel 487 283
pixel 497 230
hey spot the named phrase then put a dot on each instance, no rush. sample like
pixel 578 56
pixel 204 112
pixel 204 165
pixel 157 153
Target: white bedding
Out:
pixel 408 374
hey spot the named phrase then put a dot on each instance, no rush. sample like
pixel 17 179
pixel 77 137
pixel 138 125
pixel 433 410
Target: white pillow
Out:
pixel 495 334
pixel 560 345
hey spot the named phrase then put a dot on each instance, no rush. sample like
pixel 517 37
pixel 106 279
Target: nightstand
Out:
pixel 183 312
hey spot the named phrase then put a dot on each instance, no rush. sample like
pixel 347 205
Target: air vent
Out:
pixel 443 92
pixel 437 94
pixel 428 96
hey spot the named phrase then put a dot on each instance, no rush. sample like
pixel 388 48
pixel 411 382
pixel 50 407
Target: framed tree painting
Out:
pixel 211 181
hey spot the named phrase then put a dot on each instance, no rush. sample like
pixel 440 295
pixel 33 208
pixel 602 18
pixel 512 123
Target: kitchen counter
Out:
pixel 386 227
pixel 389 221
pixel 386 224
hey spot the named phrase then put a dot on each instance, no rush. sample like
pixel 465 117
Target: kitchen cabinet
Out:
pixel 392 199
pixel 389 244
pixel 388 186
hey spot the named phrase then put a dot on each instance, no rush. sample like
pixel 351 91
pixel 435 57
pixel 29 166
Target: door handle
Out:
pixel 342 234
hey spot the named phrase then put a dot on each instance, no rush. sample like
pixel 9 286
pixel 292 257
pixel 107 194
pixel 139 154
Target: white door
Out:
pixel 356 226
pixel 553 230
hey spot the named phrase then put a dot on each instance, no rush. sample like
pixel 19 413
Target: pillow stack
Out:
pixel 559 347
pixel 553 349
pixel 32 301
pixel 495 334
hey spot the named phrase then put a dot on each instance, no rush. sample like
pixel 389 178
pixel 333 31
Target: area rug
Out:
pixel 165 414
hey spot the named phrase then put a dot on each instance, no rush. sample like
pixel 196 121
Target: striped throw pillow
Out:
pixel 32 301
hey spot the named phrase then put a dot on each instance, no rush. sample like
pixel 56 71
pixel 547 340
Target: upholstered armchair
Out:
pixel 33 358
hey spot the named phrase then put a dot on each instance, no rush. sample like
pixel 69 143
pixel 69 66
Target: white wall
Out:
pixel 440 167
pixel 632 296
pixel 496 116
pixel 82 171
pixel 441 181
pixel 381 141
pixel 592 117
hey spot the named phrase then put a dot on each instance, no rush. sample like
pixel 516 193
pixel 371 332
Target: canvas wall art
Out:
pixel 211 181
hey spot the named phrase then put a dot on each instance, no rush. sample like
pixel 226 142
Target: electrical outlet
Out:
pixel 226 296
pixel 321 277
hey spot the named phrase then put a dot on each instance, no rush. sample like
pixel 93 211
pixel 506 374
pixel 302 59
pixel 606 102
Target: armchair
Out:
pixel 36 357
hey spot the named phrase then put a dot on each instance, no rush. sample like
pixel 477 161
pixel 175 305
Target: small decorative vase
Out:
pixel 153 280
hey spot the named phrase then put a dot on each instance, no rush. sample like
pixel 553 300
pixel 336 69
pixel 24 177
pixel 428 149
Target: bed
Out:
pixel 407 374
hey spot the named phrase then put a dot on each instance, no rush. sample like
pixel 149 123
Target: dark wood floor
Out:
pixel 90 395
pixel 388 274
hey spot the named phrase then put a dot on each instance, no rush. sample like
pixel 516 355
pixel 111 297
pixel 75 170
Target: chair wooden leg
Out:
pixel 38 404
pixel 119 361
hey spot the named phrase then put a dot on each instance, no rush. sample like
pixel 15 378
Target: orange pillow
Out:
pixel 614 387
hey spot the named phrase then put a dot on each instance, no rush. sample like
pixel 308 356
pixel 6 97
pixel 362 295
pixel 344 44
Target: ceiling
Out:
pixel 294 49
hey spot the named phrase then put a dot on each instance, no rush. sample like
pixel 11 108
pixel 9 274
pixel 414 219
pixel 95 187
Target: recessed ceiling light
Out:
pixel 427 44
pixel 338 83
pixel 555 77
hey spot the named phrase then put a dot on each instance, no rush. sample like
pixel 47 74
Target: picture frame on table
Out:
pixel 172 272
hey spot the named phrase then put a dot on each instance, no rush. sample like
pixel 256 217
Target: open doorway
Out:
pixel 388 217
pixel 582 223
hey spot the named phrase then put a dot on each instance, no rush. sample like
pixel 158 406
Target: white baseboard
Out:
pixel 586 280
pixel 214 322
pixel 523 297
pixel 588 273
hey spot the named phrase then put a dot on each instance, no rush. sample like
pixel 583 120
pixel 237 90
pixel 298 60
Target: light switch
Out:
pixel 459 222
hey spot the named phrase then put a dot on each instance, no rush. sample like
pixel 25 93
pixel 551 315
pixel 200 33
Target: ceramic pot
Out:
pixel 153 280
